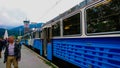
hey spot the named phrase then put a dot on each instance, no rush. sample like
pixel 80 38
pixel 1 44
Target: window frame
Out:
pixel 34 33
pixel 56 22
pixel 68 16
pixel 85 20
pixel 37 34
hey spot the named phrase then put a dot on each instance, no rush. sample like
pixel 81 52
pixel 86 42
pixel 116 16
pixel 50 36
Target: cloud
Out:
pixel 11 17
pixel 13 12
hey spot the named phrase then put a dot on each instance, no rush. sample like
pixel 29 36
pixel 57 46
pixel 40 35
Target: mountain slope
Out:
pixel 6 27
pixel 2 31
pixel 18 30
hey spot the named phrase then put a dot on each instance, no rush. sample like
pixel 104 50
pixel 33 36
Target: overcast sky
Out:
pixel 13 12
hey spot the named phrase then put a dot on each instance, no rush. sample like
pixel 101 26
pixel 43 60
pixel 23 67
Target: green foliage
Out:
pixel 10 32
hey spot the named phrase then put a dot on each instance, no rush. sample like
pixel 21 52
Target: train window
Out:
pixel 39 34
pixel 56 29
pixel 42 34
pixel 34 34
pixel 71 25
pixel 104 17
pixel 26 37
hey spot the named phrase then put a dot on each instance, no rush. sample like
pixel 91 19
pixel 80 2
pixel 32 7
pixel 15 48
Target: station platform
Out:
pixel 29 59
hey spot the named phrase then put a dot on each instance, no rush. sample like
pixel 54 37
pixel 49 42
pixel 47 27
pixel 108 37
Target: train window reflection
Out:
pixel 56 29
pixel 104 18
pixel 37 34
pixel 34 35
pixel 71 25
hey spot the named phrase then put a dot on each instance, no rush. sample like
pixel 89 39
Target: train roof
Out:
pixel 79 6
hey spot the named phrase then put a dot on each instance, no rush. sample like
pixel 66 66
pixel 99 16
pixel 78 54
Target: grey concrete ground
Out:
pixel 28 60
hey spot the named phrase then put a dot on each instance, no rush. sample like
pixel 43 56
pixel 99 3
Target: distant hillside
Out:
pixel 37 25
pixel 2 31
pixel 6 27
pixel 10 32
pixel 20 29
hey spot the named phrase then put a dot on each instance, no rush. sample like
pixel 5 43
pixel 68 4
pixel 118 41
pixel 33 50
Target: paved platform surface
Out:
pixel 28 60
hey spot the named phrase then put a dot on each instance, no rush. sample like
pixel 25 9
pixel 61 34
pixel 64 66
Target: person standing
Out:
pixel 1 46
pixel 12 53
pixel 5 42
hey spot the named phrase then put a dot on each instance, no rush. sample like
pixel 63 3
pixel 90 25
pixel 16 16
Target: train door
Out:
pixel 46 39
pixel 49 44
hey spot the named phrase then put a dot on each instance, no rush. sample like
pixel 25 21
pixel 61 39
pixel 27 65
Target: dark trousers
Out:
pixel 0 54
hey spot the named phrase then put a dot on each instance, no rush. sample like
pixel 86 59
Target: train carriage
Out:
pixel 86 36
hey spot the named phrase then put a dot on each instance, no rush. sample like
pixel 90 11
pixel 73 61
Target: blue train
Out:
pixel 87 35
